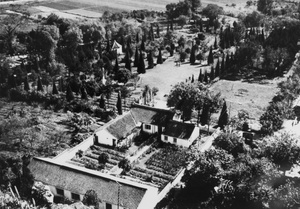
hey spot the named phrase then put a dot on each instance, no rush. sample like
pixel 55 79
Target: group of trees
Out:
pixel 235 175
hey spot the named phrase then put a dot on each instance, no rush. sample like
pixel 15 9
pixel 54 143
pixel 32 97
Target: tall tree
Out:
pixel 193 79
pixel 215 43
pixel 222 70
pixel 141 65
pixel 83 93
pixel 102 102
pixel 54 89
pixel 137 38
pixel 143 45
pixel 69 94
pixel 150 60
pixel 159 58
pixel 223 118
pixel 204 115
pixel 200 77
pixel 128 61
pixel 108 49
pixel 212 73
pixel 119 104
pixel 205 79
pixel 26 84
pixel 192 57
pixel 210 58
pixel 136 57
pixel 217 73
pixel 39 85
pixel 157 31
pixel 116 67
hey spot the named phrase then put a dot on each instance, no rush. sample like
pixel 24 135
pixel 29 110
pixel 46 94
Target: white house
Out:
pixel 179 133
pixel 120 130
pixel 72 182
pixel 117 47
pixel 152 120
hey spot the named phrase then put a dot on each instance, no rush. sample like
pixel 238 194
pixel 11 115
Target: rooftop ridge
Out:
pixel 150 108
pixel 96 173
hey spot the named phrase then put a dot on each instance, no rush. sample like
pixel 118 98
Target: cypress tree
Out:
pixel 205 79
pixel 108 45
pixel 223 119
pixel 205 115
pixel 137 38
pixel 69 94
pixel 143 45
pixel 200 77
pixel 26 84
pixel 212 73
pixel 54 89
pixel 123 43
pixel 119 104
pixel 227 63
pixel 262 36
pixel 222 70
pixel 150 60
pixel 83 93
pixel 210 59
pixel 168 28
pixel 144 38
pixel 152 33
pixel 192 81
pixel 116 67
pixel 141 66
pixel 207 28
pixel 215 43
pixel 102 102
pixel 127 61
pixel 218 69
pixel 159 58
pixel 61 84
pixel 136 57
pixel 39 85
pixel 192 57
pixel 157 31
pixel 172 25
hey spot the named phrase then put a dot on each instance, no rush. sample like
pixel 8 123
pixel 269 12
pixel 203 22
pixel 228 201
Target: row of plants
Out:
pixel 95 157
pixel 154 173
pixel 107 150
pixel 169 159
pixel 148 178
pixel 112 156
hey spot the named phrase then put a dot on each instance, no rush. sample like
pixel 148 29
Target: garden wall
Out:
pixel 170 185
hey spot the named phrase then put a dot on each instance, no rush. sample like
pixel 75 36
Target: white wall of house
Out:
pixel 104 137
pixel 181 142
pixel 151 129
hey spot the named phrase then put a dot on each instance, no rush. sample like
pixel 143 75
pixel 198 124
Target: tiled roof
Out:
pixel 78 181
pixel 122 127
pixel 150 115
pixel 179 129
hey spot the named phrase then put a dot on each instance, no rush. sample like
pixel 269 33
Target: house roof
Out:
pixel 179 129
pixel 151 115
pixel 116 45
pixel 122 127
pixel 79 181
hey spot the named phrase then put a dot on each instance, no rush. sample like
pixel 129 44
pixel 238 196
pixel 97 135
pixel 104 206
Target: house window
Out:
pixel 75 196
pixel 60 192
pixel 148 127
pixel 175 140
pixel 108 206
pixel 166 138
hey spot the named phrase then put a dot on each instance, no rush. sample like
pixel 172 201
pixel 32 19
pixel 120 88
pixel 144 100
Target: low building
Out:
pixel 72 182
pixel 179 133
pixel 120 130
pixel 152 120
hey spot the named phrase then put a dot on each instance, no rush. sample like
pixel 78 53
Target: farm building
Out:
pixel 179 133
pixel 152 120
pixel 72 182
pixel 118 131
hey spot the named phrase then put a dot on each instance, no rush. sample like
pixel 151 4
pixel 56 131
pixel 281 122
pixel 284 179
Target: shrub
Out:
pixel 103 158
pixel 125 164
pixel 272 119
pixel 90 198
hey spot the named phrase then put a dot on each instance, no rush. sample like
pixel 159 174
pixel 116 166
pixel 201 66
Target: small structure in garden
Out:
pixel 180 133
pixel 117 47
